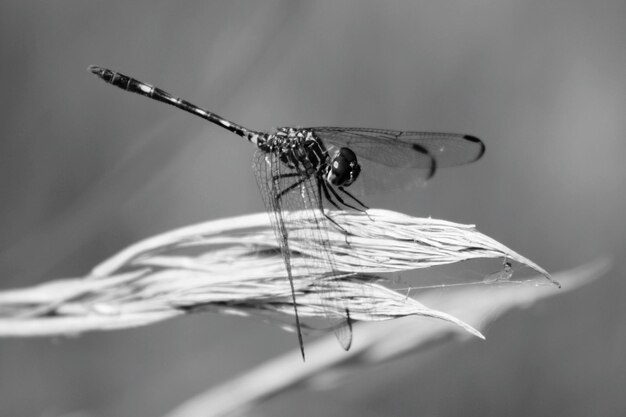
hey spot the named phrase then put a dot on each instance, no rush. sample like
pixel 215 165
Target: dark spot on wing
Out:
pixel 433 164
pixel 474 139
pixel 433 168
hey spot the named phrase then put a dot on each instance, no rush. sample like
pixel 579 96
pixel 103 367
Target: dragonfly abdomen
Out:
pixel 138 87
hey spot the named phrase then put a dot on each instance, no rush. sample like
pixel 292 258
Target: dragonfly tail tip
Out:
pixel 94 69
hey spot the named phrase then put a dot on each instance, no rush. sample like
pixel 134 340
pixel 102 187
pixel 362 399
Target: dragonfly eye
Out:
pixel 344 168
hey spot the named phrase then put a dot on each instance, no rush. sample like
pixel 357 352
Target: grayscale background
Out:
pixel 86 169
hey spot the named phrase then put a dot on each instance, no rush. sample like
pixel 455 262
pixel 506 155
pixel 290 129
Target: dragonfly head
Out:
pixel 344 168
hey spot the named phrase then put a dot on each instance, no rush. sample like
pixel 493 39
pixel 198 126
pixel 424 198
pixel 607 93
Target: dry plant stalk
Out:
pixel 374 345
pixel 233 266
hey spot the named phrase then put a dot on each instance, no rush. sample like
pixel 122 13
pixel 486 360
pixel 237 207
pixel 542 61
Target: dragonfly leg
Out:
pixel 365 208
pixel 343 190
pixel 321 187
pixel 291 187
pixel 343 202
pixel 279 176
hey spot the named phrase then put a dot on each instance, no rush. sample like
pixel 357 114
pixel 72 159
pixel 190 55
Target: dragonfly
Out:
pixel 309 168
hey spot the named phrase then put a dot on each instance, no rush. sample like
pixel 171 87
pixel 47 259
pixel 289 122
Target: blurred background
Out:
pixel 86 169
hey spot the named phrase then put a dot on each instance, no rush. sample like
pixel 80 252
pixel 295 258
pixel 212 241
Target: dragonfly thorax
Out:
pixel 299 150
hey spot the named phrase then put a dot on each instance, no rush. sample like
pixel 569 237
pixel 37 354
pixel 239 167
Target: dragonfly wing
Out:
pixel 343 332
pixel 288 193
pixel 265 169
pixel 400 149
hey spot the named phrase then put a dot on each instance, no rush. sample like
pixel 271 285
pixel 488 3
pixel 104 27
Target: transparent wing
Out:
pixel 286 193
pixel 405 150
